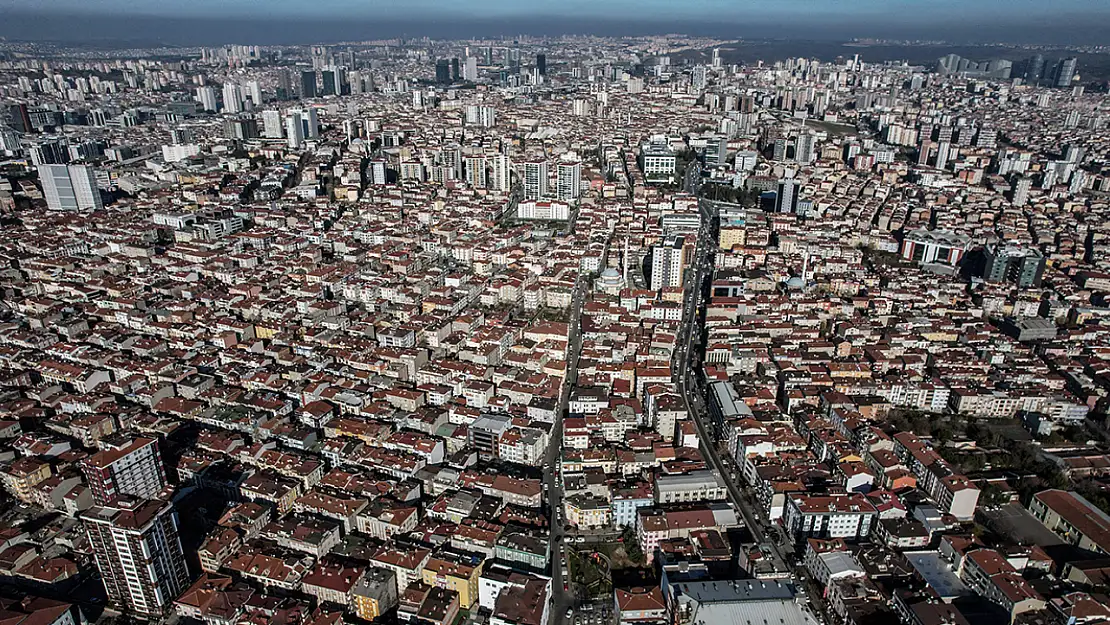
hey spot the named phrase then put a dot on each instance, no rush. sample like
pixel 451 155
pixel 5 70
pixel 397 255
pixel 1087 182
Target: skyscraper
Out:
pixel 443 71
pixel 271 124
pixel 787 199
pixel 668 259
pixel 233 98
pixel 944 151
pixel 207 98
pixel 308 84
pixel 70 187
pixel 470 70
pixel 569 182
pixel 21 118
pixel 254 92
pixel 124 466
pixel 923 150
pixel 330 84
pixel 700 77
pixel 476 174
pixel 778 153
pixel 502 172
pixel 1034 70
pixel 138 553
pixel 311 123
pixel 294 130
pixel 284 86
pixel 806 148
pixel 1065 72
pixel 541 64
pixel 535 179
pixel 455 69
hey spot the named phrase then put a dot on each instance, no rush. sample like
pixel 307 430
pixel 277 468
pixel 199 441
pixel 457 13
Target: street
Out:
pixel 562 599
pixel 690 345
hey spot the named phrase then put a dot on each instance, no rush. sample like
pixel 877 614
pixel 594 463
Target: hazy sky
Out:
pixel 886 10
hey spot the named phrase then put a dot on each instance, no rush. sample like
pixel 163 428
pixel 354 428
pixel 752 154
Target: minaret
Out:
pixel 805 269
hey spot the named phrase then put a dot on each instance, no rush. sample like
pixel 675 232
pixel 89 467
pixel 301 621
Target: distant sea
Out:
pixel 143 31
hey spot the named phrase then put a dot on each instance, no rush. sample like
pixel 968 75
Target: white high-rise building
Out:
pixel 570 180
pixel 271 124
pixel 470 70
pixel 746 160
pixel 668 259
pixel 207 98
pixel 70 187
pixel 1022 186
pixel 294 130
pixel 484 116
pixel 379 172
pixel 179 151
pixel 254 92
pixel 535 179
pixel 233 98
pixel 502 175
pixel 944 150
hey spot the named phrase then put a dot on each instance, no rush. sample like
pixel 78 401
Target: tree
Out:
pixel 993 495
pixel 632 545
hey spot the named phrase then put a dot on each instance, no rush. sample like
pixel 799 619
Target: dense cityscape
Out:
pixel 552 331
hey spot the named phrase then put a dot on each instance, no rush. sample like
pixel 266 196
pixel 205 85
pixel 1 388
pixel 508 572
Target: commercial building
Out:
pixel 658 162
pixel 935 246
pixel 1065 72
pixel 735 602
pixel 786 201
pixel 705 485
pixel 1019 264
pixel 70 187
pixel 308 84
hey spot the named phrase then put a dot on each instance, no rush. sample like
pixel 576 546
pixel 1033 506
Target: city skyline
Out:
pixel 887 11
pixel 287 22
